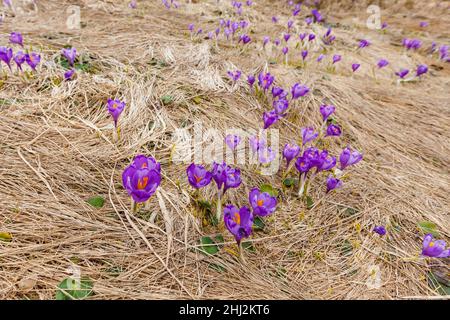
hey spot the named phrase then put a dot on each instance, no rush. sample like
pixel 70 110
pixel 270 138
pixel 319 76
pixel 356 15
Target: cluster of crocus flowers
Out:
pixel 328 38
pixel 70 54
pixel 141 179
pixel 411 44
pixel 32 59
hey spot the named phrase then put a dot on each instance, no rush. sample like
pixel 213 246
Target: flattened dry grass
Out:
pixel 57 150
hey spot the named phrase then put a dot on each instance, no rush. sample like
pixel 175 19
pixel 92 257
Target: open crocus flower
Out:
pixel 233 178
pixel 434 248
pixel 349 157
pixel 324 161
pixel 133 4
pixel 308 135
pixel 421 69
pixel 355 66
pixel 302 164
pixel 16 38
pixel 238 221
pixel 69 74
pixel 316 14
pixel 333 183
pixel 381 230
pixel 234 75
pixel 333 130
pixel 33 59
pixel 245 39
pixel 265 80
pixel 270 118
pixel 19 59
pixel 198 176
pixel 141 161
pixel 280 106
pixel 251 80
pixel 263 204
pixel 402 73
pixel 6 55
pixel 336 58
pixel 276 91
pixel 382 63
pixel 140 182
pixel 290 152
pixel 115 108
pixel 232 141
pixel 364 43
pixel 327 111
pixel 298 90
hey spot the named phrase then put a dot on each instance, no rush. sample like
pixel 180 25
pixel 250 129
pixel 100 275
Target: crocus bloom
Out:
pixel 234 75
pixel 302 164
pixel 333 130
pixel 382 63
pixel 233 178
pixel 70 55
pixel 238 221
pixel 302 36
pixel 33 59
pixel 295 12
pixel 251 80
pixel 232 141
pixel 380 230
pixel 276 91
pixel 402 73
pixel 69 74
pixel 304 54
pixel 280 106
pixel 316 14
pixel 256 143
pixel 364 43
pixel 285 50
pixel 266 154
pixel 333 183
pixel 443 52
pixel 266 40
pixel 6 55
pixel 141 181
pixel 349 157
pixel 141 161
pixel 421 69
pixel 286 37
pixel 412 44
pixel 355 66
pixel 270 118
pixel 311 37
pixel 274 19
pixel 336 58
pixel 326 111
pixel 245 39
pixel 16 38
pixel 290 151
pixel 249 2
pixel 19 59
pixel 320 57
pixel 265 80
pixel 219 174
pixel 324 162
pixel 299 90
pixel 290 23
pixel 423 24
pixel 263 204
pixel 384 25
pixel 434 248
pixel 277 42
pixel 191 27
pixel 133 4
pixel 115 108
pixel 308 135
pixel 308 20
pixel 198 176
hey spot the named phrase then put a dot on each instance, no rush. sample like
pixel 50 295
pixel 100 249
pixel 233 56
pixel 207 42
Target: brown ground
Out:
pixel 57 150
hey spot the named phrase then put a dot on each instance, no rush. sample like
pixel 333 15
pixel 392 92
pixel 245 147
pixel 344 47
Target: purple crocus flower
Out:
pixel 320 57
pixel 364 43
pixel 266 155
pixel 115 108
pixel 421 69
pixel 19 59
pixel 336 58
pixel 274 19
pixel 382 63
pixel 16 38
pixel 141 161
pixel 233 178
pixel 402 73
pixel 290 152
pixel 263 204
pixel 277 42
pixel 304 54
pixel 140 180
pixel 381 230
pixel 243 24
pixel 299 90
pixel 266 40
pixel 7 3
pixel 355 66
pixel 210 35
pixel 276 91
pixel 324 161
pixel 265 80
pixel 133 4
pixel 302 36
pixel 235 76
pixel 316 14
pixel 33 59
pixel 349 157
pixel 423 24
pixel 232 141
pixel 384 25
pixel 256 143
pixel 311 37
pixel 245 39
pixel 302 164
pixel 6 55
pixel 191 27
pixel 251 80
pixel 270 118
pixel 333 183
pixel 280 106
pixel 285 50
pixel 413 44
pixel 308 135
pixel 295 12
pixel 69 74
pixel 238 221
pixel 217 32
pixel 249 3
pixel 70 55
pixel 434 248
pixel 286 37
pixel 333 130
pixel 308 21
pixel 219 174
pixel 327 111
pixel 290 23
pixel 443 52
pixel 198 176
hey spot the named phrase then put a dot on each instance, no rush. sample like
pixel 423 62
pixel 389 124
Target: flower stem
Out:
pixel 301 184
pixel 219 206
pixel 241 253
pixel 134 206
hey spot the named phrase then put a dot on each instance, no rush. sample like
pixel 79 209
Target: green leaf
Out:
pixel 219 238
pixel 439 287
pixel 167 99
pixel 289 182
pixel 258 223
pixel 208 246
pixel 269 189
pixel 346 248
pixel 5 236
pixel 217 267
pixel 247 245
pixel 309 202
pixel 428 227
pixel 96 201
pixel 71 289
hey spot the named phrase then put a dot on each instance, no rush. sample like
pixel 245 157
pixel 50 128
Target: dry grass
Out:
pixel 57 151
